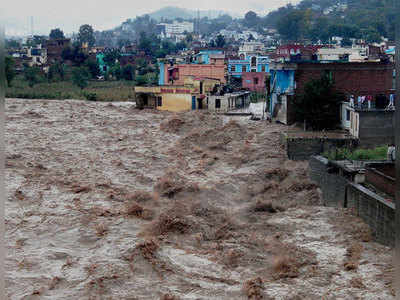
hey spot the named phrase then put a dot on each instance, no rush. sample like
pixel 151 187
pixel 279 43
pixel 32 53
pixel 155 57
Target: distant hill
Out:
pixel 172 12
pixel 366 19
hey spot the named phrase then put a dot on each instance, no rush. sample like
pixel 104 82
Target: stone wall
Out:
pixel 377 212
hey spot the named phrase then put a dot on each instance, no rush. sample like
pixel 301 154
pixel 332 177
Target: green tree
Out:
pixel 294 26
pixel 116 71
pixel 93 67
pixel 111 56
pixel 128 72
pixel 250 19
pixel 9 70
pixel 181 45
pixel 371 35
pixel 74 54
pixel 86 35
pixel 12 44
pixel 80 77
pixel 220 41
pixel 189 38
pixel 32 75
pixel 319 105
pixel 56 72
pixel 320 30
pixel 141 80
pixel 36 40
pixel 56 33
pixel 346 42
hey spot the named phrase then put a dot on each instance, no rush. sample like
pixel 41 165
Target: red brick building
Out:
pixel 353 78
pixel 175 74
pixel 55 48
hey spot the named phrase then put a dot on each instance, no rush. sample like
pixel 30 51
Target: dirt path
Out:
pixel 108 202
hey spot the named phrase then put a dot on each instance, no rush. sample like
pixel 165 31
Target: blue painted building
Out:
pixel 102 65
pixel 250 64
pixel 282 87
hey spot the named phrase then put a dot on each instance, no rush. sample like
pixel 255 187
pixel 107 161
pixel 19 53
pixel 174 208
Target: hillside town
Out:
pixel 203 158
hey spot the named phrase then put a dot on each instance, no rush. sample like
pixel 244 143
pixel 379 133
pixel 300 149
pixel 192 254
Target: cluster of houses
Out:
pixel 223 79
pixel 361 72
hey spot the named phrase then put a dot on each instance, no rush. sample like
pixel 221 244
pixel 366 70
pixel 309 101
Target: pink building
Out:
pixel 254 81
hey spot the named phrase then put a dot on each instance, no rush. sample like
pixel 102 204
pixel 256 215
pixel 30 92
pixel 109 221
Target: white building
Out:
pixel 175 29
pixel 332 54
pixel 249 48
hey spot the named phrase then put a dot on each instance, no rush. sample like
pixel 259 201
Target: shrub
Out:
pixel 90 96
pixel 32 75
pixel 378 153
pixel 80 77
pixel 9 69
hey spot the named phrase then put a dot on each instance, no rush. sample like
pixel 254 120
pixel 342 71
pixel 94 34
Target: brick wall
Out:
pixel 378 213
pixel 381 181
pixel 208 71
pixel 367 78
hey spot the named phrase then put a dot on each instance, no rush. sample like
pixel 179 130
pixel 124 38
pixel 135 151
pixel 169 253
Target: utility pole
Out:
pixel 396 261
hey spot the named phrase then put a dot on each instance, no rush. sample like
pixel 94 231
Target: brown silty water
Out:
pixel 108 202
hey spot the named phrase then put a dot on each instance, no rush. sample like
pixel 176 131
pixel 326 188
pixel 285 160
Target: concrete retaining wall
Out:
pixel 337 191
pixel 378 213
pixel 376 128
pixel 333 186
pixel 303 148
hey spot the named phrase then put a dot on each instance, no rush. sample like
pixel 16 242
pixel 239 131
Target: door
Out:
pixel 193 102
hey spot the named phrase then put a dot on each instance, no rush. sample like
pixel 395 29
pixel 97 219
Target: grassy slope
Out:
pixel 105 90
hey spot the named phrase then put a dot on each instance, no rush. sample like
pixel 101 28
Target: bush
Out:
pixel 128 72
pixel 378 153
pixel 141 80
pixel 32 75
pixel 90 96
pixel 9 70
pixel 80 77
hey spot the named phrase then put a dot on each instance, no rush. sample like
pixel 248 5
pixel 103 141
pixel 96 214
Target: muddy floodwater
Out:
pixel 108 202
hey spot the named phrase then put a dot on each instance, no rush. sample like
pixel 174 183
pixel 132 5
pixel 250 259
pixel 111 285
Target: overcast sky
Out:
pixel 69 15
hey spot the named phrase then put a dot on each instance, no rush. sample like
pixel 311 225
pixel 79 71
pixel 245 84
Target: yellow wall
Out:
pixel 208 83
pixel 176 102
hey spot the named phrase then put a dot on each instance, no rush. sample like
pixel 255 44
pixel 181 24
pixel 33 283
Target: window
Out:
pixel 233 68
pixel 254 61
pixel 159 101
pixel 243 69
pixel 256 80
pixel 217 103
pixel 347 115
pixel 262 68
